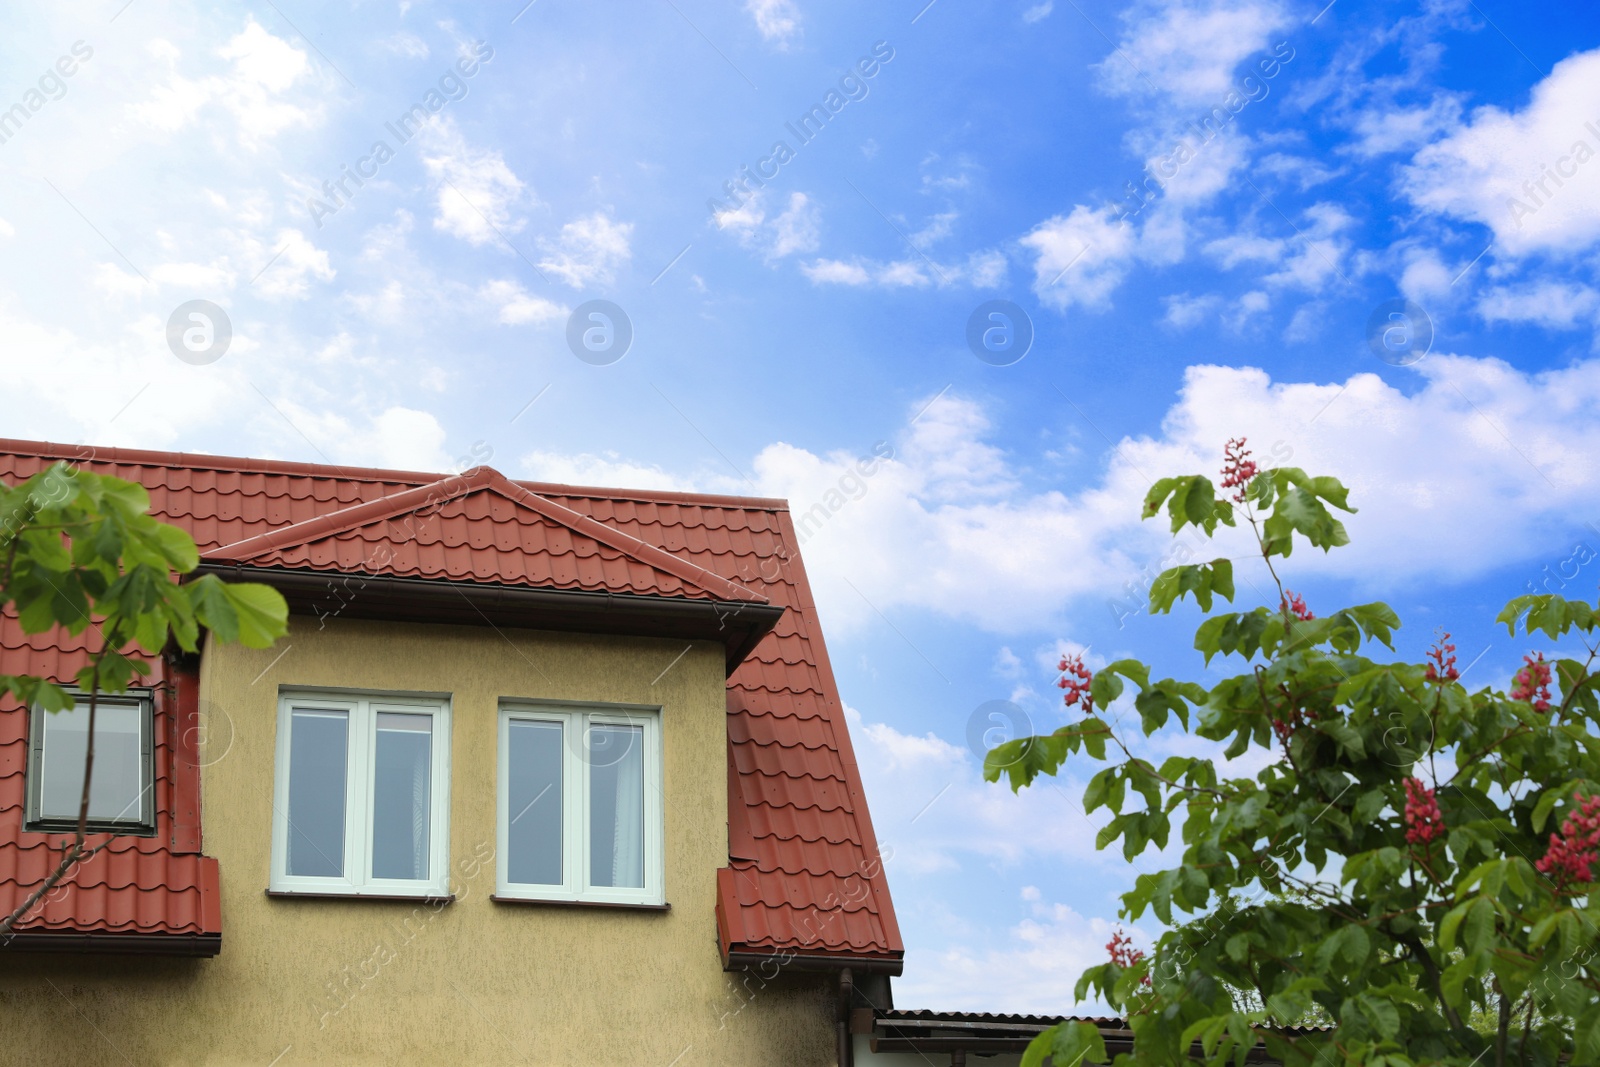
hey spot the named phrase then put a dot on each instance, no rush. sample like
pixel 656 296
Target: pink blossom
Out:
pixel 1573 851
pixel 1075 679
pixel 1532 682
pixel 1443 657
pixel 1237 468
pixel 1123 954
pixel 1295 604
pixel 1424 820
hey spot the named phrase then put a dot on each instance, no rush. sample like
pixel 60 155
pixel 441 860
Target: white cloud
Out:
pixel 1185 311
pixel 1306 324
pixel 837 272
pixel 1310 260
pixel 396 437
pixel 938 228
pixel 1188 52
pixel 515 306
pixel 297 262
pixel 1246 309
pixel 6 229
pixel 1033 969
pixel 1425 275
pixel 1477 466
pixel 263 69
pixel 935 815
pixel 588 251
pixel 610 469
pixel 1381 130
pixel 1038 12
pixel 1555 305
pixel 1303 171
pixel 777 20
pixel 931 805
pixel 1080 258
pixel 405 44
pixel 1531 176
pixel 796 229
pixel 1178 59
pixel 478 193
pixel 981 270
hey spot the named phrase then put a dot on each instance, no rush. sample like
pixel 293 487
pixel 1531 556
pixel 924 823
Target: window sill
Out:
pixel 403 898
pixel 67 830
pixel 542 902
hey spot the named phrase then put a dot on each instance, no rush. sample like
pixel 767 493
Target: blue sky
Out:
pixel 1359 155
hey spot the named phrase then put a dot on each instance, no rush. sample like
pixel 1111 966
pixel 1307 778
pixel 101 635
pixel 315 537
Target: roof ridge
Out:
pixel 205 461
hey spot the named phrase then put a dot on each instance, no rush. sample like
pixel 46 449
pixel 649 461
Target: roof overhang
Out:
pixel 113 944
pixel 812 962
pixel 736 625
pixel 987 1034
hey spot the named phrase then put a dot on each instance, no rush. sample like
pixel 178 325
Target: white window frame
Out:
pixel 360 774
pixel 575 719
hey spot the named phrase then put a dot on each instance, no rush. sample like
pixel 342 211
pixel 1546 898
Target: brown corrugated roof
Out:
pixel 803 875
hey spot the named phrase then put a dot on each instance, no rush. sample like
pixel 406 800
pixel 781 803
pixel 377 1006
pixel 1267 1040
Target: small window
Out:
pixel 580 805
pixel 121 790
pixel 362 791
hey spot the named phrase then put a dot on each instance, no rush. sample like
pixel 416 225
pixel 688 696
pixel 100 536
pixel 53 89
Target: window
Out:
pixel 362 796
pixel 580 804
pixel 121 789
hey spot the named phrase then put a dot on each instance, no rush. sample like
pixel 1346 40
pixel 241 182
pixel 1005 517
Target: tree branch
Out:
pixel 77 852
pixel 1419 952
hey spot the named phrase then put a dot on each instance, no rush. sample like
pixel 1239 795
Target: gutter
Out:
pixel 814 963
pixel 192 945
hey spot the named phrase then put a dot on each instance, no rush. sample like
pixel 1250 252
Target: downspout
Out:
pixel 847 1049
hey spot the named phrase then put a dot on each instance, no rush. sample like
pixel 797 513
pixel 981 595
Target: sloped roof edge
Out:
pixel 478 479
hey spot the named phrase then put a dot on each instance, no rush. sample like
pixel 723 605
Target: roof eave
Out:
pixel 737 625
pixel 98 942
pixel 811 962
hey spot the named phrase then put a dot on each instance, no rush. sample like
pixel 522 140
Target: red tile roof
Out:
pixel 803 875
pixel 136 885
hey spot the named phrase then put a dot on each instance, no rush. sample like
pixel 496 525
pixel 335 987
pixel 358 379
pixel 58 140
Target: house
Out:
pixel 540 774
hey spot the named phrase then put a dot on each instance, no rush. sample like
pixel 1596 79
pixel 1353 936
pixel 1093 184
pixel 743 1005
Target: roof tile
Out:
pixel 804 872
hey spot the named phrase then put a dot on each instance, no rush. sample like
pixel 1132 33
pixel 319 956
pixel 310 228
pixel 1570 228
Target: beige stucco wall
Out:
pixel 314 981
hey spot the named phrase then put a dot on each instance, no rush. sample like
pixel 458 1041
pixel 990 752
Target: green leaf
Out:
pixel 1066 1044
pixel 1232 634
pixel 1190 500
pixel 1450 924
pixel 1201 579
pixel 1547 612
pixel 251 614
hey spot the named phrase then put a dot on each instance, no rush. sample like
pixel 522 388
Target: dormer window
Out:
pixel 121 790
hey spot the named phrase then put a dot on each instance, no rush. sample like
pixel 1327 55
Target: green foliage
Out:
pixel 79 551
pixel 1299 898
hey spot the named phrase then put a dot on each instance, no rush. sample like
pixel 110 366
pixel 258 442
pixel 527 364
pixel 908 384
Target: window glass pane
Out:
pixel 616 805
pixel 533 785
pixel 400 795
pixel 116 790
pixel 319 745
